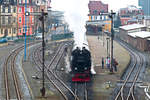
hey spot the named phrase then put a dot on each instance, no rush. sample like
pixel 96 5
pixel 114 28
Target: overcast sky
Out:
pixel 116 4
pixel 76 11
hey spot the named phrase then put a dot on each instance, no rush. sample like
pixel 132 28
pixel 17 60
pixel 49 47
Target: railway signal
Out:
pixel 43 45
pixel 112 38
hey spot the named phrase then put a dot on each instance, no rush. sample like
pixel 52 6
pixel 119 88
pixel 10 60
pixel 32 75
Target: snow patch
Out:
pixel 92 69
pixel 68 69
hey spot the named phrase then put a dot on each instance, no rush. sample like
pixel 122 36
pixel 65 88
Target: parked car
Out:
pixel 3 40
pixel 38 36
pixel 10 39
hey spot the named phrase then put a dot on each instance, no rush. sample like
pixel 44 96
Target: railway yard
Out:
pixel 23 79
pixel 74 50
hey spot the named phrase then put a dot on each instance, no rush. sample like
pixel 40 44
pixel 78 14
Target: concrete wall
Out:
pixel 122 34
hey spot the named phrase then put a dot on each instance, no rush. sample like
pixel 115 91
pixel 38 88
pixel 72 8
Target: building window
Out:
pixel 95 12
pixel 100 17
pixel 10 31
pixel 20 1
pixel 19 19
pixel 102 11
pixel 95 17
pixel 9 20
pixel 14 10
pixel 1 31
pixel 9 9
pixel 20 10
pixel 104 17
pixel 14 30
pixel 32 19
pixel 3 20
pixel 3 10
pixel 28 9
pixel 23 30
pixel 19 30
pixel 91 18
pixel 14 20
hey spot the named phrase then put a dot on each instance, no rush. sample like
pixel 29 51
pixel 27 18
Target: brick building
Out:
pixel 124 20
pixel 97 7
pixel 124 30
pixel 8 18
pixel 129 13
pixel 13 21
pixel 140 40
pixel 135 35
pixel 97 22
pixel 25 21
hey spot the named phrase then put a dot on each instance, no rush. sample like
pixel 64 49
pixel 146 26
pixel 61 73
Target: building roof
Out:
pixel 132 26
pixel 98 22
pixel 142 34
pixel 132 20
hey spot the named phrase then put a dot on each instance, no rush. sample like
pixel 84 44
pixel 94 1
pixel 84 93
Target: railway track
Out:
pixel 85 91
pixel 51 74
pixel 80 89
pixel 11 81
pixel 11 61
pixel 132 76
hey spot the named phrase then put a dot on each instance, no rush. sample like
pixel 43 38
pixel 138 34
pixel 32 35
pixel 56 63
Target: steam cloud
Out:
pixel 76 12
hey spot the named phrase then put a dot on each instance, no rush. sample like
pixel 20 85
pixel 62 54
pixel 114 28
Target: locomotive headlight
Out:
pixel 75 68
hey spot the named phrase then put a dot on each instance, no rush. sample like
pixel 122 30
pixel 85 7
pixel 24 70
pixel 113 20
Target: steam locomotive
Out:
pixel 81 63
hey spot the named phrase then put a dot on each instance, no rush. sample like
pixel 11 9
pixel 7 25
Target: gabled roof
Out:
pixel 132 26
pixel 142 34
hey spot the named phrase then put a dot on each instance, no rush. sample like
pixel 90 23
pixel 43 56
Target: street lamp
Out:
pixel 25 34
pixel 103 33
pixel 26 14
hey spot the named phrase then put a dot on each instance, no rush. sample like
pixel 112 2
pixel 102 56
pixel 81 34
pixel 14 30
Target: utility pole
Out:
pixel 43 45
pixel 112 38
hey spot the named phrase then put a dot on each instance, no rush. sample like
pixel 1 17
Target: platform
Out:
pixel 103 81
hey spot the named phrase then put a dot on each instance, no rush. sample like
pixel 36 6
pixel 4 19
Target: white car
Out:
pixel 38 36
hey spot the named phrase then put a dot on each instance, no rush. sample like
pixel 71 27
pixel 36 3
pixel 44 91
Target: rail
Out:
pixel 58 83
pixel 130 93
